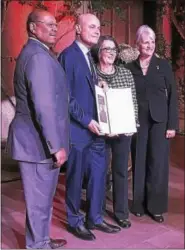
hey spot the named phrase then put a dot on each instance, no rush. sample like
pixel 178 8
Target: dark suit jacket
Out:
pixel 156 91
pixel 82 96
pixel 41 123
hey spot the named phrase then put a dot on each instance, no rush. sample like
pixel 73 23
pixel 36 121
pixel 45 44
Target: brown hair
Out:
pixel 96 48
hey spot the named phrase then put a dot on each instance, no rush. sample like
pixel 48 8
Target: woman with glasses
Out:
pixel 105 55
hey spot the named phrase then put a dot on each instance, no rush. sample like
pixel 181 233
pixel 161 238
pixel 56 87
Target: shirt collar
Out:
pixel 35 39
pixel 83 48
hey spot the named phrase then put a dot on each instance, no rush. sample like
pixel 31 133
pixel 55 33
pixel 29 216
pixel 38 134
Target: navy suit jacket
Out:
pixel 82 93
pixel 156 91
pixel 41 123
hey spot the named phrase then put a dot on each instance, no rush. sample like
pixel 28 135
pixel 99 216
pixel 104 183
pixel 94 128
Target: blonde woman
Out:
pixel 158 119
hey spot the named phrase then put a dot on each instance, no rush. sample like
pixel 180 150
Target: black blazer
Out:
pixel 156 91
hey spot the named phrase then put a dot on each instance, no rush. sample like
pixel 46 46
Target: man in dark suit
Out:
pixel 39 133
pixel 87 156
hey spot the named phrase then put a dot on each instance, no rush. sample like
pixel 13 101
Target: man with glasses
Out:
pixel 87 156
pixel 39 133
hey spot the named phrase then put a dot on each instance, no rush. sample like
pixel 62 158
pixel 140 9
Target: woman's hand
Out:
pixel 128 134
pixel 104 85
pixel 112 135
pixel 170 133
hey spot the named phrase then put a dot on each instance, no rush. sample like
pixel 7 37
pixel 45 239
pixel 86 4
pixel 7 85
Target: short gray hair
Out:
pixel 33 17
pixel 144 29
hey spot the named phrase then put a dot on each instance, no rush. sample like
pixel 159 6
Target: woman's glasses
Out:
pixel 110 50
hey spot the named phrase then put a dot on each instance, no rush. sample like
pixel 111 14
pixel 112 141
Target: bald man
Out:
pixel 39 133
pixel 87 155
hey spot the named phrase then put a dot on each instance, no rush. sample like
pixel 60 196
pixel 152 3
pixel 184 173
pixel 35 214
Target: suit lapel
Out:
pixel 152 69
pixel 153 65
pixel 84 65
pixel 47 50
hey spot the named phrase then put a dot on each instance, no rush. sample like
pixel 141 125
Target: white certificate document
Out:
pixel 115 111
pixel 102 110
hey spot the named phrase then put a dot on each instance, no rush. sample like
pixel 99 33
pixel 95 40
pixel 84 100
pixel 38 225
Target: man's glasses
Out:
pixel 50 25
pixel 110 50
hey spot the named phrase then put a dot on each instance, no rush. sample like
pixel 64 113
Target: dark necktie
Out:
pixel 92 66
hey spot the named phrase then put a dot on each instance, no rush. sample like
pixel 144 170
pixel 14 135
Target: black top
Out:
pixel 156 91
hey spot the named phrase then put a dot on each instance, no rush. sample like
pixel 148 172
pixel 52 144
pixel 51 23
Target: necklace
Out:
pixel 144 65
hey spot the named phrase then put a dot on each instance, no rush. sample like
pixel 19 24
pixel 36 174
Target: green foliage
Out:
pixel 162 47
pixel 100 6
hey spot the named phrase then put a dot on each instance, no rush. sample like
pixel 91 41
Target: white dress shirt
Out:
pixel 84 50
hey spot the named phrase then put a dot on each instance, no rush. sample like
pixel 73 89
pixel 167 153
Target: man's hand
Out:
pixel 61 157
pixel 170 133
pixel 94 127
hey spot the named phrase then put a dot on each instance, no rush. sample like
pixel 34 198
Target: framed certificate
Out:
pixel 115 110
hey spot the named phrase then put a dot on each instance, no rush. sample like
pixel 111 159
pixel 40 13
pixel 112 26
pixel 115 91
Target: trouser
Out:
pixel 120 148
pixel 39 184
pixel 150 152
pixel 86 160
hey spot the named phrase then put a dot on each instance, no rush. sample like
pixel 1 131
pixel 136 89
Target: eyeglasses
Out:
pixel 109 50
pixel 50 25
